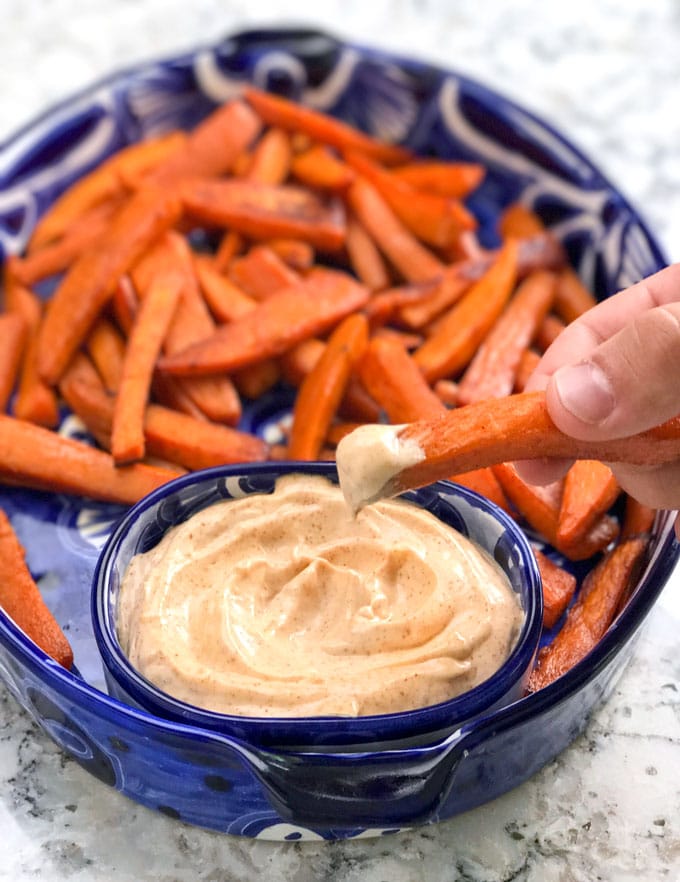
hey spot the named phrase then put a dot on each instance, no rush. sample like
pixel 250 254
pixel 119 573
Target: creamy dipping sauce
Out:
pixel 285 604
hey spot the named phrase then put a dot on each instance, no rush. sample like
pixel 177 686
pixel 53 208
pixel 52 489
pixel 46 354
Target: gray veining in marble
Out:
pixel 608 73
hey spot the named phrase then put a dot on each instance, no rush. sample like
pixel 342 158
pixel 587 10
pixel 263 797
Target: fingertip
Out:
pixel 542 471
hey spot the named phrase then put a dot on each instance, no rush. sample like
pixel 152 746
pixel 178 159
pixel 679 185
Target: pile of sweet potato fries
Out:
pixel 276 244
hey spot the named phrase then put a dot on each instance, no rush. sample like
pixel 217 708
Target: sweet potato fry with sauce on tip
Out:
pixel 21 600
pixel 322 389
pixel 278 111
pixel 91 280
pixel 392 378
pixel 592 613
pixel 276 325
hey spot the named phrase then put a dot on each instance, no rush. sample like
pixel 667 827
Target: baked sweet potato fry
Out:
pixel 225 300
pixel 34 399
pixel 58 256
pixel 492 371
pixel 278 111
pixel 392 378
pixel 638 519
pixel 592 613
pixel 215 396
pixel 144 345
pixel 590 489
pixel 91 280
pixel 297 255
pixel 12 334
pixel 435 220
pixel 263 211
pixel 276 325
pixel 527 365
pixel 261 272
pixel 211 148
pixel 318 167
pixel 559 587
pixel 466 325
pixel 21 600
pixel 455 180
pixel 540 506
pixel 548 331
pixel 518 221
pixel 104 184
pixel 413 260
pixel 323 388
pixel 513 428
pixel 175 437
pixel 106 347
pixel 68 466
pixel 364 257
pixel 271 158
pixel 572 298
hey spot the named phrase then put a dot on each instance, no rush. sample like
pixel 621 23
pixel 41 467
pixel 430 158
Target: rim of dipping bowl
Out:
pixel 142 527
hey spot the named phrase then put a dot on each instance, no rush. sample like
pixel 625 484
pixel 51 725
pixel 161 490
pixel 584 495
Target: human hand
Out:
pixel 614 372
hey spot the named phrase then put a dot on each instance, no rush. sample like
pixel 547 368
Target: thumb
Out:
pixel 627 384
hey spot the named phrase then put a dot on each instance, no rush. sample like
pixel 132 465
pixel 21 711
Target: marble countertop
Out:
pixel 608 73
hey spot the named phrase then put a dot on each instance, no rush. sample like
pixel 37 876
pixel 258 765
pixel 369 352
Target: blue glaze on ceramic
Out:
pixel 214 780
pixel 472 515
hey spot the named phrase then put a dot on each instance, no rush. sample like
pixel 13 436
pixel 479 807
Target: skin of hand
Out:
pixel 614 372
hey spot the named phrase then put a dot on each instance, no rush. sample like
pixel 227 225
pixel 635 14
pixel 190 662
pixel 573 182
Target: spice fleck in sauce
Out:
pixel 285 604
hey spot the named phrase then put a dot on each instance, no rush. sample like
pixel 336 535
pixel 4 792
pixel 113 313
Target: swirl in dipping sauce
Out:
pixel 285 604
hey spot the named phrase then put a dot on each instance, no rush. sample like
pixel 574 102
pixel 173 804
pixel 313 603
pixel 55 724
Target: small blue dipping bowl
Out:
pixel 472 515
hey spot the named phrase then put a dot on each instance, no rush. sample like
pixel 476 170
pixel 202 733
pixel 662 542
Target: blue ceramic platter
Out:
pixel 225 783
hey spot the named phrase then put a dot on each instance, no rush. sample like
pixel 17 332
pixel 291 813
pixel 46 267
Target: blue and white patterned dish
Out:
pixel 472 515
pixel 203 777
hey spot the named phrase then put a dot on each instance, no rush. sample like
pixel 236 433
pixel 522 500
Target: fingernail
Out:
pixel 585 392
